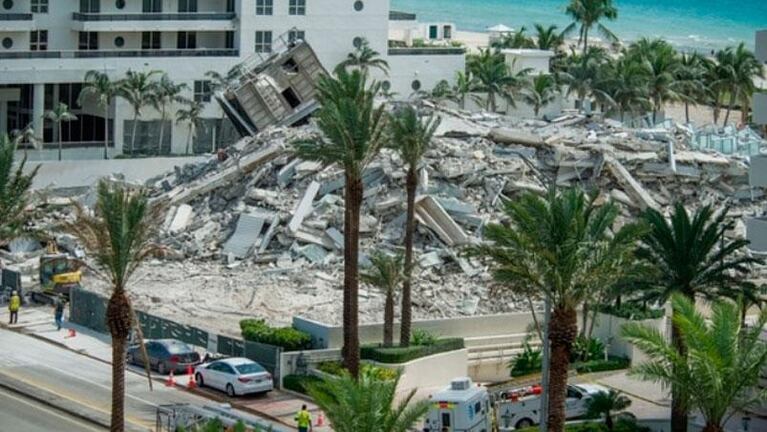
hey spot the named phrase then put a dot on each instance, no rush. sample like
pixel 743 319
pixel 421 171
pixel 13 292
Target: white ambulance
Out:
pixel 462 407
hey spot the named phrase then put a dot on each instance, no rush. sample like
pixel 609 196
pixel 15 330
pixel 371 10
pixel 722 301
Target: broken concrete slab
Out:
pixel 519 137
pixel 430 213
pixel 245 236
pixel 336 237
pixel 270 232
pixel 184 215
pixel 630 184
pixel 304 207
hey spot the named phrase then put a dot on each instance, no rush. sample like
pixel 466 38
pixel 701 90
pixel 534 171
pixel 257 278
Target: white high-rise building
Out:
pixel 47 46
pixel 760 98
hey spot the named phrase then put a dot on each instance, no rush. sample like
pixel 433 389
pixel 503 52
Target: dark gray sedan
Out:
pixel 165 355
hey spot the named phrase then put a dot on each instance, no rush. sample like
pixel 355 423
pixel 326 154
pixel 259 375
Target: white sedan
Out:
pixel 235 376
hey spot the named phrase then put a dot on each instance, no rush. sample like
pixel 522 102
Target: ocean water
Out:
pixel 701 24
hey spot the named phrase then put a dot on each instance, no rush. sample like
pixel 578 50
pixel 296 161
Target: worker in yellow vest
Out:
pixel 304 420
pixel 14 306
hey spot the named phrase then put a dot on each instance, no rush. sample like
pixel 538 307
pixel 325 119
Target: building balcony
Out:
pixel 183 21
pixel 217 52
pixel 13 22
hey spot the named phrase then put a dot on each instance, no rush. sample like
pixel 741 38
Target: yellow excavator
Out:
pixel 59 272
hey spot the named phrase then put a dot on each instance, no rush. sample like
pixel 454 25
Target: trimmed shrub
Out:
pixel 290 339
pixel 336 368
pixel 631 311
pixel 394 355
pixel 612 363
pixel 528 361
pixel 299 383
pixel 423 337
pixel 587 349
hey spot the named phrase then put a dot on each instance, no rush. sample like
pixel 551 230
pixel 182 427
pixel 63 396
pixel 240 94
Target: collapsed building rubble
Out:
pixel 261 233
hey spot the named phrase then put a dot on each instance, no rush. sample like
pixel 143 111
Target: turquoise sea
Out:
pixel 700 24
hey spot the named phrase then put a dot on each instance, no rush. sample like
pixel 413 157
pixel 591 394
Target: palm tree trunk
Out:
pixel 745 108
pixel 133 134
pixel 119 319
pixel 729 108
pixel 411 183
pixel 61 139
pixel 585 40
pixel 189 137
pixel 106 133
pixel 353 203
pixel 389 320
pixel 687 112
pixel 535 318
pixel 584 319
pixel 162 130
pixel 712 427
pixel 563 329
pixel 678 405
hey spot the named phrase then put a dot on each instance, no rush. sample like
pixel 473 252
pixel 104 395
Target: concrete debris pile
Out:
pixel 261 233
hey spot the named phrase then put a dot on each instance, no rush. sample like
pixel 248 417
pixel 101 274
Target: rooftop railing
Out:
pixel 427 51
pixel 15 17
pixel 120 53
pixel 182 16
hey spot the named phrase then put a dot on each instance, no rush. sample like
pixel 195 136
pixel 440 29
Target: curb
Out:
pixel 61 404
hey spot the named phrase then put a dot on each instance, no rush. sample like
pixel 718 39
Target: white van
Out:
pixel 524 411
pixel 462 407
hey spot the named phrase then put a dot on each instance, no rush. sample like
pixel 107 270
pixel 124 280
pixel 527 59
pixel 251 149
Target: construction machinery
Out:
pixel 59 273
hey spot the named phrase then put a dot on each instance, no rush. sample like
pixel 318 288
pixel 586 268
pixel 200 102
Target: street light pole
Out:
pixel 543 421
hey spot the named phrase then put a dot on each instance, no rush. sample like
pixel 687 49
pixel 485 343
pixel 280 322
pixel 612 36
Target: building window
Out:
pixel 264 7
pixel 150 40
pixel 186 40
pixel 263 42
pixel 152 6
pixel 230 5
pixel 8 4
pixel 39 6
pixel 296 35
pixel 7 43
pixel 358 6
pixel 90 6
pixel 229 40
pixel 415 85
pixel 187 5
pixel 88 41
pixel 38 40
pixel 433 32
pixel 297 7
pixel 202 91
pixel 119 41
pixel 447 32
pixel 120 4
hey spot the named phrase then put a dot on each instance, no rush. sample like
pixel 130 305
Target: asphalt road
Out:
pixel 22 414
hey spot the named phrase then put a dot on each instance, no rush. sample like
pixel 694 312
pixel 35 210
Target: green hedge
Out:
pixel 621 425
pixel 299 383
pixel 631 311
pixel 612 363
pixel 290 339
pixel 406 354
pixel 337 369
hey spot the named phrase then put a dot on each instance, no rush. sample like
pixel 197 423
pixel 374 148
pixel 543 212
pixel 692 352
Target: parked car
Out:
pixel 165 355
pixel 235 376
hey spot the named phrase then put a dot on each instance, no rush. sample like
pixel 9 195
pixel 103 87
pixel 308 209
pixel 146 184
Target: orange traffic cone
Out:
pixel 170 382
pixel 72 333
pixel 192 383
pixel 320 420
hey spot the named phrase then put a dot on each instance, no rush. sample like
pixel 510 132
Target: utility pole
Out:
pixel 543 422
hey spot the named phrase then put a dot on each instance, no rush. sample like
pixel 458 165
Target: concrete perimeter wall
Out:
pixel 328 336
pixel 608 328
pixel 432 371
pixel 84 173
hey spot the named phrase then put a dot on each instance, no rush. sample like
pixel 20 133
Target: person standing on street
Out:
pixel 14 306
pixel 304 420
pixel 58 312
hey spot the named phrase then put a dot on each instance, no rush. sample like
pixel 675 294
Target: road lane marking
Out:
pixel 43 408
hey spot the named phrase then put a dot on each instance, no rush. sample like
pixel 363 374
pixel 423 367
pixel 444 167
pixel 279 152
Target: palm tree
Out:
pixel 722 369
pixel 137 89
pixel 540 93
pixel 562 247
pixel 663 64
pixel 547 38
pixel 219 82
pixel 587 14
pixel 411 136
pixel 59 114
pixel 98 86
pixel 165 93
pixel 385 273
pixel 518 39
pixel 14 186
pixel 691 259
pixel 464 85
pixel 367 404
pixel 494 77
pixel 741 68
pixel 365 58
pixel 690 80
pixel 118 236
pixel 626 79
pixel 581 74
pixel 352 135
pixel 606 404
pixel 190 115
